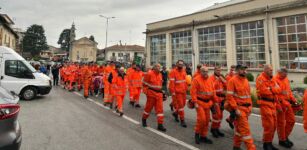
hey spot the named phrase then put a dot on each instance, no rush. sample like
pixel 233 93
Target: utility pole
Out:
pixel 107 24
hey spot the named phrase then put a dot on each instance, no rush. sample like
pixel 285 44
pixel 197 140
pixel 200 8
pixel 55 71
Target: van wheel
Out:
pixel 29 93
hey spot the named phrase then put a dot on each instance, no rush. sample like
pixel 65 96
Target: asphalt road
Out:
pixel 66 121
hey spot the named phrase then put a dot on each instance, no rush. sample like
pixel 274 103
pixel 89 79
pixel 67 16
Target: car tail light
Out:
pixel 8 111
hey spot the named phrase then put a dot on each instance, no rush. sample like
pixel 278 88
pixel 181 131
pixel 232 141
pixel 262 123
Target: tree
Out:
pixel 64 40
pixel 35 40
pixel 92 38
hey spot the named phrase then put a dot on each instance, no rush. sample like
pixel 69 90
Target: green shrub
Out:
pixel 250 77
pixel 305 80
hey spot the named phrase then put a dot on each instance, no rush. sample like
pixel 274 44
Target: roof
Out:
pixel 85 38
pixel 125 48
pixel 6 21
pixel 223 4
pixel 215 6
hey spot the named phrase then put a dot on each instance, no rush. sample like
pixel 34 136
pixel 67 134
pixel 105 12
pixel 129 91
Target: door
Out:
pixel 15 75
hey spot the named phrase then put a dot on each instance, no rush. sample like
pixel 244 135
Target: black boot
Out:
pixel 214 133
pixel 290 142
pixel 171 106
pixel 176 117
pixel 183 124
pixel 206 140
pixel 111 105
pixel 197 138
pixel 237 148
pixel 131 103
pixel 285 144
pixel 267 146
pixel 137 106
pixel 121 114
pixel 230 123
pixel 219 133
pixel 273 147
pixel 161 128
pixel 144 122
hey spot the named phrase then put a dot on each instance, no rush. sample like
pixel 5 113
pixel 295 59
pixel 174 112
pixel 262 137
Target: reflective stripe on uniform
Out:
pixel 146 113
pixel 172 79
pixel 216 121
pixel 230 92
pixel 219 90
pixel 181 109
pixel 246 137
pixel 160 115
pixel 204 93
pixel 180 81
pixel 242 97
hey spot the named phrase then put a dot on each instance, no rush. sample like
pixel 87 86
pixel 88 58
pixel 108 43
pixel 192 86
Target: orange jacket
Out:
pixel 267 89
pixel 220 86
pixel 286 96
pixel 229 76
pixel 305 111
pixel 107 71
pixel 178 82
pixel 196 73
pixel 153 83
pixel 203 90
pixel 87 75
pixel 135 78
pixel 120 85
pixel 238 93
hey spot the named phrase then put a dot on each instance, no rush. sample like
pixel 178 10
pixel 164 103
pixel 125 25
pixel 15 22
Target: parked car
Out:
pixel 17 75
pixel 10 131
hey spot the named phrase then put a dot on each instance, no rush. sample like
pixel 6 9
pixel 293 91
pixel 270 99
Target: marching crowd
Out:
pixel 210 96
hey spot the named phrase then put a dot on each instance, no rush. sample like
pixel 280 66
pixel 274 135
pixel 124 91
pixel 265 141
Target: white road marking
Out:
pixel 172 139
pixel 191 147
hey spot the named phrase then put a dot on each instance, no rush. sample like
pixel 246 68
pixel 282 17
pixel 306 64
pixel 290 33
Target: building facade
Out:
pixel 8 36
pixel 250 32
pixel 124 53
pixel 83 50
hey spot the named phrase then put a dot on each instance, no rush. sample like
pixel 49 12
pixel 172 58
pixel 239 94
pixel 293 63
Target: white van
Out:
pixel 17 75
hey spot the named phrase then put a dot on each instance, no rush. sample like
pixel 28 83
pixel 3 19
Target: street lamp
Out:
pixel 106 27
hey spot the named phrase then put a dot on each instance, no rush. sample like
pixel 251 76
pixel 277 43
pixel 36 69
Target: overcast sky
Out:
pixel 131 16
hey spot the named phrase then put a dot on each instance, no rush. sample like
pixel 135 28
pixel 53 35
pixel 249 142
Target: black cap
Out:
pixel 241 67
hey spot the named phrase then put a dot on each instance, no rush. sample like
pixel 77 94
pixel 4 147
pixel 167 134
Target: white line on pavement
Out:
pixel 172 139
pixel 148 128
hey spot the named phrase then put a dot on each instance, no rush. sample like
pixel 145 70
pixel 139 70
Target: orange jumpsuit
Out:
pixel 197 73
pixel 153 87
pixel 135 85
pixel 178 86
pixel 229 76
pixel 129 72
pixel 285 118
pixel 238 98
pixel 107 86
pixel 203 94
pixel 173 103
pixel 87 79
pixel 120 88
pixel 220 88
pixel 305 111
pixel 267 90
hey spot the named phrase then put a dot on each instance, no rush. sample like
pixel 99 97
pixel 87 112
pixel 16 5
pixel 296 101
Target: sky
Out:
pixel 131 16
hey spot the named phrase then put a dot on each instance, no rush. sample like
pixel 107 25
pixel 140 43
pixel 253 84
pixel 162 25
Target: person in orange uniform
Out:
pixel 153 85
pixel 267 91
pixel 218 107
pixel 197 72
pixel 129 72
pixel 239 103
pixel 87 79
pixel 135 85
pixel 305 111
pixel 286 117
pixel 79 77
pixel 120 87
pixel 178 87
pixel 203 95
pixel 232 73
pixel 107 86
pixel 173 102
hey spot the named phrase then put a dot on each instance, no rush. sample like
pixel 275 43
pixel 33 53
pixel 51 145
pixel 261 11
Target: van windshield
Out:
pixel 28 66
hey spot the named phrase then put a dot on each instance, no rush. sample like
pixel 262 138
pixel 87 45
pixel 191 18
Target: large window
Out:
pixel 292 41
pixel 182 47
pixel 212 46
pixel 250 44
pixel 158 49
pixel 17 68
